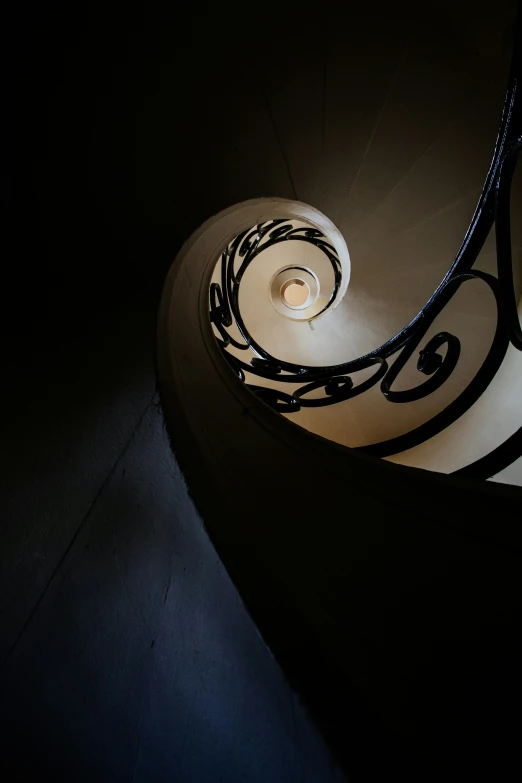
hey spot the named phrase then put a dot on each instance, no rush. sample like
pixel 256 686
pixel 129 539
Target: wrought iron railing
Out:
pixel 493 209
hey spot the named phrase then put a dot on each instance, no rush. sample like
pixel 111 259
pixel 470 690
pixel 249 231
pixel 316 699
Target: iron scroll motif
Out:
pixel 224 296
pixel 336 381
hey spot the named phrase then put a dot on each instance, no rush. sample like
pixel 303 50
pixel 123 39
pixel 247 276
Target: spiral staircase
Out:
pixel 390 594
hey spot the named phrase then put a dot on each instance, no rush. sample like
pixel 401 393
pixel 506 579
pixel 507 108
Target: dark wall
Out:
pixel 125 652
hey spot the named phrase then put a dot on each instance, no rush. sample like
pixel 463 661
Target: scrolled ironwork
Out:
pixel 278 400
pixel 429 363
pixel 439 357
pixel 503 240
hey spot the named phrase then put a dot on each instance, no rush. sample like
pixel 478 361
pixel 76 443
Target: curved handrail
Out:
pixel 493 208
pixel 466 398
pixel 345 562
pixel 224 297
pixel 503 238
pixel 390 596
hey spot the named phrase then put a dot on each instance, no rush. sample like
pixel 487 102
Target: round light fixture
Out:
pixel 295 293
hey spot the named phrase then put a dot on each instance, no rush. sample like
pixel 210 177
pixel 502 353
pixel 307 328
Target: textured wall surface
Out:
pixel 139 661
pixel 125 652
